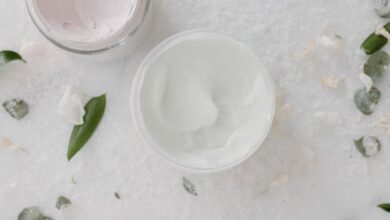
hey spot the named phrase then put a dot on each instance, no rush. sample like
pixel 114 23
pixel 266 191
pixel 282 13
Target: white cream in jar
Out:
pixel 203 100
pixel 88 26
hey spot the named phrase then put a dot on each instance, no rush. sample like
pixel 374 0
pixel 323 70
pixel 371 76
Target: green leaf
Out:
pixel 385 206
pixel 368 146
pixel 374 42
pixel 7 56
pixel 376 65
pixel 189 187
pixel 62 202
pixel 366 101
pixel 17 108
pixel 94 111
pixel 32 213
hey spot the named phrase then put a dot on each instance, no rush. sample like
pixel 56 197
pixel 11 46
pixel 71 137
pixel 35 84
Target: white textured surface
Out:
pixel 308 167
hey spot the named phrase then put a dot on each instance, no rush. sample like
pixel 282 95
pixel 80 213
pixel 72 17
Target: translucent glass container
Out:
pixel 120 42
pixel 167 155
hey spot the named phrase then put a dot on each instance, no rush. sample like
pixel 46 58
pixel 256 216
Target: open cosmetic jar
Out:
pixel 91 27
pixel 202 101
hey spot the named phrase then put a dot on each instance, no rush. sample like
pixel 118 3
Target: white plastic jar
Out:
pixel 203 101
pixel 104 28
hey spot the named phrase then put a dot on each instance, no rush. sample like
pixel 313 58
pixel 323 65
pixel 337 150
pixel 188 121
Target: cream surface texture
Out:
pixel 205 100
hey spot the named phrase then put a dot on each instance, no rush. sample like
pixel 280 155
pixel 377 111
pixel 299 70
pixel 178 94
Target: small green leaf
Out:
pixel 7 56
pixel 32 213
pixel 382 8
pixel 385 206
pixel 94 111
pixel 117 195
pixel 368 146
pixel 62 202
pixel 366 101
pixel 189 187
pixel 17 108
pixel 375 42
pixel 376 65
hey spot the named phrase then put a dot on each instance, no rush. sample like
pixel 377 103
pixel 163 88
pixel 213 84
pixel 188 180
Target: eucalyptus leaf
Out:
pixel 94 111
pixel 385 206
pixel 375 42
pixel 62 202
pixel 32 213
pixel 189 187
pixel 17 108
pixel 7 56
pixel 382 8
pixel 368 146
pixel 376 65
pixel 366 101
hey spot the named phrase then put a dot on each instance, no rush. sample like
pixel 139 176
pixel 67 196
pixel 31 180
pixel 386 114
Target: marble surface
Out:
pixel 308 168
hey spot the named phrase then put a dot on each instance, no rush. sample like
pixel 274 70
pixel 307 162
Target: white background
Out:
pixel 307 169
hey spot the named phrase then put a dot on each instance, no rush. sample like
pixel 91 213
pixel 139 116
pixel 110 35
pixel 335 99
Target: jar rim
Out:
pixel 140 124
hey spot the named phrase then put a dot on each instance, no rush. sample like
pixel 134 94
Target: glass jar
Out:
pixel 142 118
pixel 76 27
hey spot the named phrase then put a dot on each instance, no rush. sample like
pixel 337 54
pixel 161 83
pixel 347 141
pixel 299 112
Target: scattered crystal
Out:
pixel 33 49
pixel 280 180
pixel 71 106
pixel 330 81
pixel 331 42
pixel 329 119
pixel 306 51
pixel 7 143
pixel 366 80
pixel 385 123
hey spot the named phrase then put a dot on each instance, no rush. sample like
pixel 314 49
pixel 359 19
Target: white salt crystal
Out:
pixel 327 118
pixel 32 49
pixel 71 106
pixel 280 180
pixel 366 80
pixel 283 113
pixel 329 42
pixel 380 30
pixel 330 81
pixel 7 143
pixel 385 123
pixel 306 51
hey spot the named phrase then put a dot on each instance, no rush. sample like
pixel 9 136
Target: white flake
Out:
pixel 71 106
pixel 366 80
pixel 329 42
pixel 330 81
pixel 6 143
pixel 380 30
pixel 384 122
pixel 328 118
pixel 280 180
pixel 306 51
pixel 32 49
